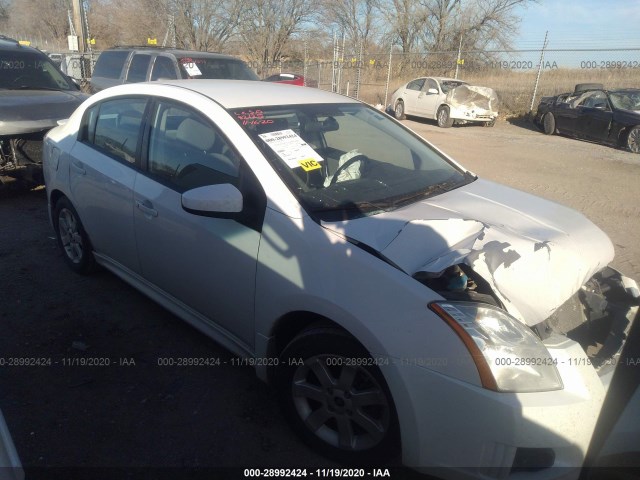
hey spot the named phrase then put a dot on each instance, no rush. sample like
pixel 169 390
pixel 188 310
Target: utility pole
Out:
pixel 540 65
pixel 79 25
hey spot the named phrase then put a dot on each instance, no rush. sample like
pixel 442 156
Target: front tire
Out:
pixel 633 139
pixel 444 118
pixel 335 397
pixel 72 238
pixel 399 110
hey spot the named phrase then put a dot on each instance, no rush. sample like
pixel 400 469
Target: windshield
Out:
pixel 348 160
pixel 30 71
pixel 626 99
pixel 447 85
pixel 211 67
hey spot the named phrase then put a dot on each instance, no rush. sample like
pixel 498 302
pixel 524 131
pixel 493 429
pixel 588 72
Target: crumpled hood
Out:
pixel 29 111
pixel 535 254
pixel 473 97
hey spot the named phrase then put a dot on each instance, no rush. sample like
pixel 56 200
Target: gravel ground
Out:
pixel 135 413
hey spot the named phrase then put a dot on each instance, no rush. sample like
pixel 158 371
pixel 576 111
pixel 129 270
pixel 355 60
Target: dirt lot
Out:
pixel 135 413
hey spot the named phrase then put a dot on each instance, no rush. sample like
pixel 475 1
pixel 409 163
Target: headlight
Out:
pixel 509 357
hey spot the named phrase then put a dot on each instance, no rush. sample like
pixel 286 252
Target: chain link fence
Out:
pixel 519 77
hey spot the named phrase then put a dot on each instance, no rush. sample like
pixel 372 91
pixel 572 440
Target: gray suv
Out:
pixel 142 64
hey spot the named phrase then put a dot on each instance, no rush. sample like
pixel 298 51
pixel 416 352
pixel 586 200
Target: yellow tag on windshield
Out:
pixel 309 164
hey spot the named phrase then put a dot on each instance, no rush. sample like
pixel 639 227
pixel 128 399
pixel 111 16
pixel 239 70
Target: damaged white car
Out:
pixel 397 302
pixel 445 100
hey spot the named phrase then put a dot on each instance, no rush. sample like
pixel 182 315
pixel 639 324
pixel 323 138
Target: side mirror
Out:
pixel 221 198
pixel 432 91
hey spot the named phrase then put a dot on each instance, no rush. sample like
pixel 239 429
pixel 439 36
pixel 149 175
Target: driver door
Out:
pixel 208 263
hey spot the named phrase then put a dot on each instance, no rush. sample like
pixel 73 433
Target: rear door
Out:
pixel 427 103
pixel 103 168
pixel 410 95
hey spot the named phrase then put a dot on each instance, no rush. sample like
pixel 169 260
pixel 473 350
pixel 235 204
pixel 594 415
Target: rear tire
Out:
pixel 549 123
pixel 444 119
pixel 72 238
pixel 399 110
pixel 342 408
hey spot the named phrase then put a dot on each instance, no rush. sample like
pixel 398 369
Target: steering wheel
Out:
pixel 360 157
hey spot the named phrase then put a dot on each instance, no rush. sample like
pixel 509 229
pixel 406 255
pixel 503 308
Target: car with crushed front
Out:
pixel 593 113
pixel 449 101
pixel 34 95
pixel 397 302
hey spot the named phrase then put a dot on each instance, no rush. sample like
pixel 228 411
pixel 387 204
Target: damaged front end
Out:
pixel 598 316
pixel 21 159
pixel 545 265
pixel 470 103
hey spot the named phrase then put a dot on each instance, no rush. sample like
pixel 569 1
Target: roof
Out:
pixel 446 79
pixel 7 43
pixel 175 51
pixel 248 93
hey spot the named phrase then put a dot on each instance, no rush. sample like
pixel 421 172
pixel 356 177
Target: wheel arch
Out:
pixel 624 133
pixel 290 325
pixel 54 197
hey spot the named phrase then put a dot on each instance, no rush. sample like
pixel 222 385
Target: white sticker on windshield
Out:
pixel 291 148
pixel 192 69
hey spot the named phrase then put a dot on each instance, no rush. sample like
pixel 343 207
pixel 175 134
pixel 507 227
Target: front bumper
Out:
pixel 453 429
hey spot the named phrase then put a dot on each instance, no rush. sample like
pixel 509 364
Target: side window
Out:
pixel 432 84
pixel 109 64
pixel 595 100
pixel 186 151
pixel 416 84
pixel 88 127
pixel 163 68
pixel 118 127
pixel 138 68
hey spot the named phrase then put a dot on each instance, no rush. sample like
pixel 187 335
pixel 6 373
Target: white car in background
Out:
pixel 396 301
pixel 446 100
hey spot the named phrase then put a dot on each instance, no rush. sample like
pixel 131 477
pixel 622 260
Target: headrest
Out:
pixel 196 134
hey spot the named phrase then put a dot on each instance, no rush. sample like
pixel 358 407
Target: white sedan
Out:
pixel 446 100
pixel 397 302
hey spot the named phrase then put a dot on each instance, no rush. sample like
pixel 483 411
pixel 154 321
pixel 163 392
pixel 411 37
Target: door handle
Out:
pixel 78 168
pixel 146 208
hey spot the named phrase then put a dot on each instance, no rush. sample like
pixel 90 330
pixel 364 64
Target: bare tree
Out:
pixel 405 20
pixel 39 18
pixel 4 13
pixel 357 19
pixel 206 24
pixel 127 22
pixel 481 22
pixel 266 26
pixel 438 25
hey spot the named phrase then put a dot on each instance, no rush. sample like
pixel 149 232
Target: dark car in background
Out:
pixel 591 112
pixel 144 64
pixel 34 96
